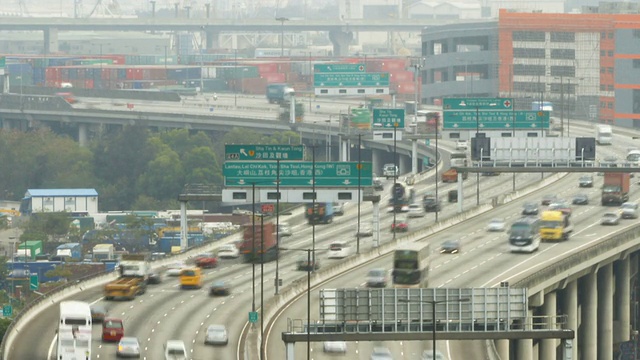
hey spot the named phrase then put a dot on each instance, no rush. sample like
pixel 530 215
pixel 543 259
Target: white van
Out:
pixel 340 249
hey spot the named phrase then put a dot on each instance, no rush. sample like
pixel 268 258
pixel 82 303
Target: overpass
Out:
pixel 340 31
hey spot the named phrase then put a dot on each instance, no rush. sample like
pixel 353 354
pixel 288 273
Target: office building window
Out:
pixel 528 53
pixel 610 53
pixel 569 71
pixel 538 36
pixel 636 63
pixel 603 53
pixel 563 36
pixel 519 69
pixel 636 33
pixel 563 54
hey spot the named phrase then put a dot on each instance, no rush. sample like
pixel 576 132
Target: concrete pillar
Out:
pixel 376 224
pixel 622 322
pixel 341 41
pixel 414 156
pixel 212 39
pixel 184 244
pixel 605 312
pixel 376 162
pixel 548 346
pixel 525 349
pixel 82 134
pixel 589 340
pixel 502 347
pixel 50 40
pixel 571 310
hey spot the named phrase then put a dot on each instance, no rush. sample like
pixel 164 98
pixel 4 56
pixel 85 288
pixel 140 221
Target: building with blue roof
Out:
pixel 75 201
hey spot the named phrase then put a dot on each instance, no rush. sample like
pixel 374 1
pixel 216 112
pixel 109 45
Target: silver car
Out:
pixel 334 347
pixel 128 347
pixel 216 335
pixel 629 210
pixel 377 278
pixel 381 353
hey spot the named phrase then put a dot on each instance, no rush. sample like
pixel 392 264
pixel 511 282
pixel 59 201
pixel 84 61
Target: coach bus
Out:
pixel 524 235
pixel 411 266
pixel 74 331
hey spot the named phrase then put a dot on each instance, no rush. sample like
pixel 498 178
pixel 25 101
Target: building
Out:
pixel 74 201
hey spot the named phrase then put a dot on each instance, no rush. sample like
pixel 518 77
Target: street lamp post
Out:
pixel 433 304
pixel 477 173
pixel 282 19
pixel 396 170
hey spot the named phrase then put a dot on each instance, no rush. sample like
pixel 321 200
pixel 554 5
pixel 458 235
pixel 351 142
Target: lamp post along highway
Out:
pixel 282 19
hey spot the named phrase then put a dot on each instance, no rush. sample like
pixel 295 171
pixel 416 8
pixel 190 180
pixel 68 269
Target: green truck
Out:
pixel 279 93
pixel 28 250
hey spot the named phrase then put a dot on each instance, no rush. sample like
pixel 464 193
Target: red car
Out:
pixel 112 329
pixel 401 225
pixel 206 262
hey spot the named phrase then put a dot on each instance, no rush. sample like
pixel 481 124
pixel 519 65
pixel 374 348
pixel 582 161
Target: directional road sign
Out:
pixel 264 152
pixel 253 317
pixel 339 68
pixel 477 104
pixel 7 310
pixel 496 120
pixel 33 282
pixel 388 118
pixel 296 174
pixel 350 79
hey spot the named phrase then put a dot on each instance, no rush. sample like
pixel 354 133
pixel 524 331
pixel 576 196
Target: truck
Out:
pixel 451 175
pixel 28 250
pixel 279 93
pixel 103 252
pixel 604 134
pixel 615 189
pixel 70 250
pixel 259 243
pixel 134 274
pixel 555 226
pixel 319 213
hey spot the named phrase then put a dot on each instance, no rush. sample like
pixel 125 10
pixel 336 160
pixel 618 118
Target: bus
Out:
pixel 74 331
pixel 460 159
pixel 411 266
pixel 524 235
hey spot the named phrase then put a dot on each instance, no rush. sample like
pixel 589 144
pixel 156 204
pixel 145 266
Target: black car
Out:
pixel 586 181
pixel 548 199
pixel 154 278
pixel 304 265
pixel 530 208
pixel 580 199
pixel 451 246
pixel 431 203
pixel 220 288
pixel 378 185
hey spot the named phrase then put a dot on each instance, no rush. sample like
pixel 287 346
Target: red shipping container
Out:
pixel 88 84
pixel 274 77
pixel 389 65
pixel 253 86
pixel 158 74
pixel 105 74
pixel 130 73
pixel 406 88
pixel 264 68
pixel 401 76
pixel 284 67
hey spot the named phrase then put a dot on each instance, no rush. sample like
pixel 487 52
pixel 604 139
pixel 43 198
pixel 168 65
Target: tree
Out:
pixel 164 177
pixel 202 167
pixel 4 325
pixel 42 226
pixel 62 271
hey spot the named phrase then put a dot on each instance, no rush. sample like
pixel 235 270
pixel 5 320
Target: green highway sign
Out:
pixel 253 317
pixel 495 120
pixel 296 174
pixel 33 282
pixel 350 79
pixel 388 118
pixel 264 152
pixel 7 310
pixel 477 104
pixel 339 68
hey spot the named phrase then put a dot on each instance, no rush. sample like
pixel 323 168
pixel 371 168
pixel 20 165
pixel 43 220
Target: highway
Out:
pixel 485 261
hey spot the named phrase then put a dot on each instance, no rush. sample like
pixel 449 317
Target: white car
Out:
pixel 228 251
pixel 496 225
pixel 462 144
pixel 216 335
pixel 415 210
pixel 175 350
pixel 175 269
pixel 284 229
pixel 334 347
pixel 629 210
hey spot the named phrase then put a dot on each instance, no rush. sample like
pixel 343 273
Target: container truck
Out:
pixel 279 93
pixel 615 190
pixel 451 175
pixel 319 213
pixel 555 226
pixel 134 272
pixel 29 250
pixel 604 134
pixel 103 252
pixel 71 250
pixel 259 242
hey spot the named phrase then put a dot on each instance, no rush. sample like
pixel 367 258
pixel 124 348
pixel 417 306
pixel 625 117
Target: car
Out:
pixel 228 251
pixel 580 199
pixel 415 210
pixel 378 185
pixel 390 170
pixel 400 225
pixel 462 144
pixel 128 347
pixel 548 199
pixel 365 231
pixel 629 210
pixel 451 246
pixel 112 329
pixel 562 206
pixel 206 261
pixel 220 288
pixel 154 278
pixel 175 350
pixel 98 313
pixel 334 347
pixel 338 209
pixel 377 278
pixel 610 218
pixel 175 268
pixel 284 229
pixel 428 355
pixel 303 264
pixel 431 203
pixel 381 353
pixel 586 181
pixel 216 335
pixel 530 208
pixel 496 225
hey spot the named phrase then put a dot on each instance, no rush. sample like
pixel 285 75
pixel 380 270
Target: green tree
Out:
pixel 4 325
pixel 43 226
pixel 62 271
pixel 201 166
pixel 164 177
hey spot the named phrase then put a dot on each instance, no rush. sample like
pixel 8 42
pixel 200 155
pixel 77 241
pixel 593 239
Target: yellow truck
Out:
pixel 134 273
pixel 191 278
pixel 555 226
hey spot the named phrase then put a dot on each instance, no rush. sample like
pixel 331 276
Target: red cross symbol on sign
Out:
pixel 361 68
pixel 507 103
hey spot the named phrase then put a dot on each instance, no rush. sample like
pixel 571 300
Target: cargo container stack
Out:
pixel 401 76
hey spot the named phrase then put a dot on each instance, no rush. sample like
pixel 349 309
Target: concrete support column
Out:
pixel 571 310
pixel 82 134
pixel 605 312
pixel 376 223
pixel 341 41
pixel 622 322
pixel 502 347
pixel 414 156
pixel 548 346
pixel 589 327
pixel 50 40
pixel 525 349
pixel 376 161
pixel 184 244
pixel 212 40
